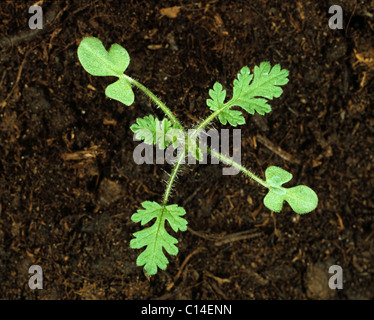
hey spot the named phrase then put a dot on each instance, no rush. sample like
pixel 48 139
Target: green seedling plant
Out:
pixel 251 93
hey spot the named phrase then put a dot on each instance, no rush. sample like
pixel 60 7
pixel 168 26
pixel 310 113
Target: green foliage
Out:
pixel 156 238
pixel 251 92
pixel 302 199
pixel 250 96
pixel 163 133
pixel 153 131
pixel 233 117
pixel 97 61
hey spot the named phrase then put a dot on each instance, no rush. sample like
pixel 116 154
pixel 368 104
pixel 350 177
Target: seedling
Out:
pixel 251 93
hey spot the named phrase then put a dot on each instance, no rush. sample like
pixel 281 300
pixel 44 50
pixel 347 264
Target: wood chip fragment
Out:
pixel 171 12
pixel 154 46
pixel 85 154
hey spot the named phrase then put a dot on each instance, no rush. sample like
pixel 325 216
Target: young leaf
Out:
pixel 96 60
pixel 266 84
pixel 302 199
pixel 156 238
pixel 216 102
pixel 153 131
pixel 251 92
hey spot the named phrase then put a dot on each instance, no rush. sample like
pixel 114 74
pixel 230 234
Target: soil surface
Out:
pixel 69 184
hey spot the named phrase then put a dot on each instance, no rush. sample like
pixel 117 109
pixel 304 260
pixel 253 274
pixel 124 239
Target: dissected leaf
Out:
pixel 251 92
pixel 96 60
pixel 265 85
pixel 302 199
pixel 154 131
pixel 156 238
pixel 218 95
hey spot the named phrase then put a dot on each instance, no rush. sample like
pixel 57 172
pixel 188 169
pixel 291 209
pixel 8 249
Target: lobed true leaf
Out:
pixel 156 238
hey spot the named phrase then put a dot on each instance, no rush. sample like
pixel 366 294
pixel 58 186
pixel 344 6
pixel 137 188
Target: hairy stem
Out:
pixel 210 118
pixel 173 175
pixel 154 98
pixel 234 164
pixel 200 127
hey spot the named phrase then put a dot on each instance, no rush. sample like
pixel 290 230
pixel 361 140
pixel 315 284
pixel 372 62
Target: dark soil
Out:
pixel 69 184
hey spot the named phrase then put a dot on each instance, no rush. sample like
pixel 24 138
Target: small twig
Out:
pixel 190 197
pixel 244 235
pixel 278 150
pixel 349 21
pixel 217 289
pixel 219 280
pixel 253 8
pixel 30 34
pixel 219 240
pixel 202 235
pixel 4 102
pixel 171 285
